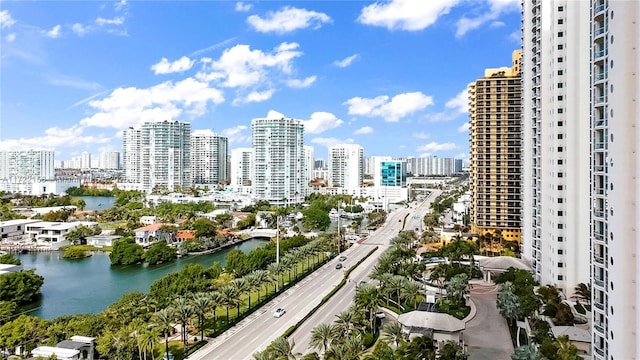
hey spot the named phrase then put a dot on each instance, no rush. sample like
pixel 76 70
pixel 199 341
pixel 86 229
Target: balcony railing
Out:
pixel 599 8
pixel 599 305
pixel 600 99
pixel 599 283
pixel 598 259
pixel 599 30
pixel 598 54
pixel 599 327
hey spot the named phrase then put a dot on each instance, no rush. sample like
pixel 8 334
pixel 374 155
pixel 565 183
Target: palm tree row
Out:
pixel 197 308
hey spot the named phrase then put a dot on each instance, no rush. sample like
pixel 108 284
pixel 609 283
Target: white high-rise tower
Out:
pixel 208 158
pixel 346 166
pixel 278 160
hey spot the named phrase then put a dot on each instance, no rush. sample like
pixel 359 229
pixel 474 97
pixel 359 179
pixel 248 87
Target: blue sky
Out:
pixel 388 75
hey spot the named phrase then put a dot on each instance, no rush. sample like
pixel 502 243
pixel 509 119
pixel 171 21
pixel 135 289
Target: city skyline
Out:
pixel 81 73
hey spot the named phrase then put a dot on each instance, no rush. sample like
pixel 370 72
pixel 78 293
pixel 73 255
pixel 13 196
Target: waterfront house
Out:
pixel 51 235
pixel 148 219
pixel 14 230
pixel 77 348
pixel 150 234
pixel 184 235
pixel 102 240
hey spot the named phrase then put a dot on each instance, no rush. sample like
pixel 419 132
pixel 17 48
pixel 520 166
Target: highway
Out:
pixel 258 330
pixel 343 299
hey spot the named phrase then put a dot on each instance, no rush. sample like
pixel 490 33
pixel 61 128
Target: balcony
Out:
pixel 599 305
pixel 600 213
pixel 598 259
pixel 600 99
pixel 600 54
pixel 599 145
pixel 600 30
pixel 600 76
pixel 599 351
pixel 599 9
pixel 599 327
pixel 599 283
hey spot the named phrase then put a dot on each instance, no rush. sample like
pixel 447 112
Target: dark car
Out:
pixel 338 266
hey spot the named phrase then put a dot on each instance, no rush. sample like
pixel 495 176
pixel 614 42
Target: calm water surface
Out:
pixel 90 285
pixel 97 202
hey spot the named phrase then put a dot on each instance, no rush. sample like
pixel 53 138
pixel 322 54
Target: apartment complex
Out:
pixel 426 166
pixel 346 166
pixel 241 167
pixel 278 160
pixel 209 164
pixel 556 146
pixel 22 165
pixel 110 160
pixel 158 155
pixel 614 181
pixel 495 126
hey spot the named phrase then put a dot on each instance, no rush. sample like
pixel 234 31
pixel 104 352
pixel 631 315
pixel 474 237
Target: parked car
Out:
pixel 278 312
pixel 338 266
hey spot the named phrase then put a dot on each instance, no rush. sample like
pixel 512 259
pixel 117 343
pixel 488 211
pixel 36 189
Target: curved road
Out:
pixel 258 330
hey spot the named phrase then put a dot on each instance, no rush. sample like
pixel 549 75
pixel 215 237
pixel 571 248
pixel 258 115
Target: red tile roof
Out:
pixel 186 234
pixel 153 227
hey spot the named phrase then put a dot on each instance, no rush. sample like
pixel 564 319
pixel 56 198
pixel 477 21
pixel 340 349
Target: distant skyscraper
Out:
pixel 27 165
pixel 346 166
pixel 208 158
pixel 433 166
pixel 555 145
pixel 319 164
pixel 110 160
pixel 158 154
pixel 279 166
pixel 241 167
pixel 309 165
pixel 85 161
pixel 495 127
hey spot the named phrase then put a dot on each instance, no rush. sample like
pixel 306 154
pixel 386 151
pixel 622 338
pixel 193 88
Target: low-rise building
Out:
pixel 442 327
pixel 52 234
pixel 102 240
pixel 150 234
pixel 14 230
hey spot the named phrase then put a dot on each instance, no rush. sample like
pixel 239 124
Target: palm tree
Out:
pixel 392 332
pixel 254 282
pixel 280 348
pixel 345 323
pixel 353 346
pixel 322 336
pixel 412 290
pixel 527 352
pixel 229 297
pixel 184 311
pixel 582 292
pixel 201 303
pixel 164 319
pixel 367 298
pixel 274 270
pixel 216 300
pixel 508 303
pixel 146 341
pixel 421 347
pixel 242 286
pixel 396 285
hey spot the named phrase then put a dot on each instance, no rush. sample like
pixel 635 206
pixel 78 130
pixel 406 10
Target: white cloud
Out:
pixel 120 5
pixel 398 107
pixel 131 106
pixel 320 122
pixel 255 96
pixel 411 15
pixel 240 6
pixel 346 61
pixel 272 114
pixel 236 134
pixel 363 130
pixel 288 19
pixel 166 67
pixel 421 135
pixel 79 29
pixel 516 36
pixel 6 21
pixel 53 33
pixel 72 82
pixel 240 66
pixel 100 21
pixel 436 147
pixel 496 8
pixel 10 37
pixel 55 138
pixel 301 83
pixel 328 142
pixel 464 127
pixel 460 103
pixel 497 24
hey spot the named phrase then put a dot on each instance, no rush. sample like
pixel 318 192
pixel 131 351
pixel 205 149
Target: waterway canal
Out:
pixel 90 285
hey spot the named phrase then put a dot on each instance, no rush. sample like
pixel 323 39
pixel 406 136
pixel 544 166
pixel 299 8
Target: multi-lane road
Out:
pixel 258 330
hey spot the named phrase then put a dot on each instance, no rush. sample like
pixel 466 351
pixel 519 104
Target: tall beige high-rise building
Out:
pixel 495 108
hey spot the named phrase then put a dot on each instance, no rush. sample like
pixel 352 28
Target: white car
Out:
pixel 278 312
